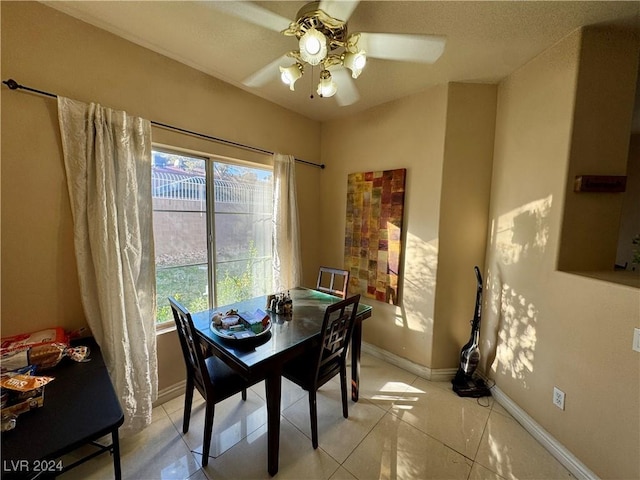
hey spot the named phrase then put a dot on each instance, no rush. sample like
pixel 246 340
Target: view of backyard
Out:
pixel 241 233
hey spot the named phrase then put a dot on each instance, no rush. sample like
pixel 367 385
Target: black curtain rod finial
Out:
pixel 12 84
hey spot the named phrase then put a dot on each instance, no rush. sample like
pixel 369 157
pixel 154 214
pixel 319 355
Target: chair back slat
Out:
pixel 337 327
pixel 337 283
pixel 191 347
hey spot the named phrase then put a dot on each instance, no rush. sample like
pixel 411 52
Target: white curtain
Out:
pixel 287 264
pixel 107 156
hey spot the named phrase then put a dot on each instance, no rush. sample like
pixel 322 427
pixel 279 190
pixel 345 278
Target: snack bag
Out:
pixel 42 356
pixel 20 393
pixel 24 383
pixel 27 340
pixel 43 349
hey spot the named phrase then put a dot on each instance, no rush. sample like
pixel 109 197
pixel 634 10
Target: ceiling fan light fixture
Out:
pixel 327 87
pixel 355 62
pixel 313 46
pixel 290 74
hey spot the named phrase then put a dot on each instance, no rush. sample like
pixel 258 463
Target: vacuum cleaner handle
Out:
pixel 478 310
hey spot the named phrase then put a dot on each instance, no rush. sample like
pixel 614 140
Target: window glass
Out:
pixel 242 222
pixel 236 264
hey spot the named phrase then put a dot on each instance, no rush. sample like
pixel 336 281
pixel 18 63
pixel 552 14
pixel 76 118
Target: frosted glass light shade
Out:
pixel 290 74
pixel 313 47
pixel 326 87
pixel 355 62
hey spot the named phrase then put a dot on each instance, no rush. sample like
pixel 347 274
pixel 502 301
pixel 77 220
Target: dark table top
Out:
pixel 80 405
pixel 288 335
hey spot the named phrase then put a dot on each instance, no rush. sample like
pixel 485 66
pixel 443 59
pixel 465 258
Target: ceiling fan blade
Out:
pixel 267 73
pixel 253 13
pixel 346 92
pixel 339 9
pixel 402 47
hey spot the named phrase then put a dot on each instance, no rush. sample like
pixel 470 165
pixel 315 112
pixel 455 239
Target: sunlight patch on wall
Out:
pixel 420 267
pixel 523 231
pixel 515 352
pixel 519 235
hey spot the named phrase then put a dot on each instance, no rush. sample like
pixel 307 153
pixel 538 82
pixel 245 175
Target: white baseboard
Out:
pixel 564 456
pixel 170 393
pixel 435 375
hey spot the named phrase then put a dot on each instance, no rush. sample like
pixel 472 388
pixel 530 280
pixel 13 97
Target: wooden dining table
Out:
pixel 289 336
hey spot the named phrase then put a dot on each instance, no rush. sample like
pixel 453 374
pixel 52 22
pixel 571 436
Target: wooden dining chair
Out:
pixel 326 359
pixel 333 281
pixel 211 376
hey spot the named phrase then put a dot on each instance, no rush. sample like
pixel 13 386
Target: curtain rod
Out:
pixel 13 85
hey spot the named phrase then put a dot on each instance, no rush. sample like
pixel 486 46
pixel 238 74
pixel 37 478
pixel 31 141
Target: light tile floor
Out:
pixel 403 427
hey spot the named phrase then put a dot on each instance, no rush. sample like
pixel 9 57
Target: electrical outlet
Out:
pixel 636 339
pixel 558 398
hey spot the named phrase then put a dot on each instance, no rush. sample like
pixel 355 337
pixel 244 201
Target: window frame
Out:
pixel 212 255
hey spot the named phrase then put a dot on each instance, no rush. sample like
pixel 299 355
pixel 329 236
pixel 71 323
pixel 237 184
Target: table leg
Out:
pixel 273 387
pixel 356 341
pixel 115 445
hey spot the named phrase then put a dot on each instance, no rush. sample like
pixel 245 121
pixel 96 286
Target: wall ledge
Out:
pixel 623 277
pixel 553 446
pixel 162 329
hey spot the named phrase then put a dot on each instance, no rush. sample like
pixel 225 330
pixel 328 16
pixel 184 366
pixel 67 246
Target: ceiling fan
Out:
pixel 323 39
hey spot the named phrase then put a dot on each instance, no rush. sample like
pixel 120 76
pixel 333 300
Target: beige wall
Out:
pixel 444 138
pixel 45 49
pixel 554 328
pixel 408 133
pixel 464 215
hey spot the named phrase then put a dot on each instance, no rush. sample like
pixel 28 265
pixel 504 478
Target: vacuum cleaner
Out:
pixel 464 383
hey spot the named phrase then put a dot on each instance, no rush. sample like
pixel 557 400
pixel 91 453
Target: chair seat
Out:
pixel 300 373
pixel 225 380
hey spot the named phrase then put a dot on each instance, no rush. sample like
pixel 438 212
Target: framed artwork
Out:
pixel 373 233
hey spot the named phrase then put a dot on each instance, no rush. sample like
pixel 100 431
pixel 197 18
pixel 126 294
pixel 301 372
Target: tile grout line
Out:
pixel 181 436
pixel 484 429
pixel 360 443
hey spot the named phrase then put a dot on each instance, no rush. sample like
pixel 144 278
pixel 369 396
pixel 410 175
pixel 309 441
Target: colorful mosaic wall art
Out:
pixel 373 233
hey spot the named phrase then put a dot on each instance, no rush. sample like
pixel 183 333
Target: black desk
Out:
pixel 80 406
pixel 289 337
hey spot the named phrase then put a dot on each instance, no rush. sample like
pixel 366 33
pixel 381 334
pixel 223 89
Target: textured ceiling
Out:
pixel 486 41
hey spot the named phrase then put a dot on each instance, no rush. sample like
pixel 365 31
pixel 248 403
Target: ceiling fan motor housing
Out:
pixel 310 16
